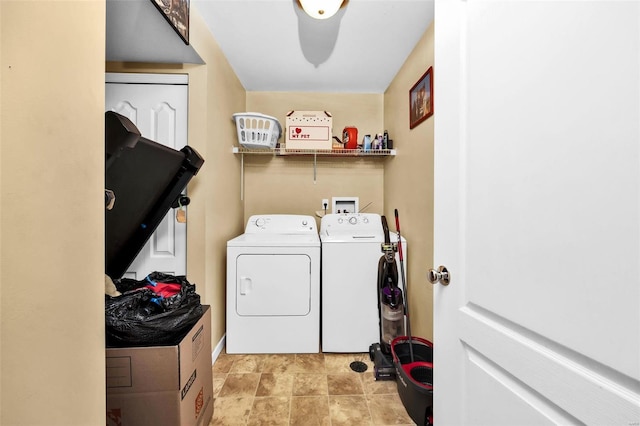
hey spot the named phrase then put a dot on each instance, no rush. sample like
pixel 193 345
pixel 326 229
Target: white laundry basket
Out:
pixel 257 130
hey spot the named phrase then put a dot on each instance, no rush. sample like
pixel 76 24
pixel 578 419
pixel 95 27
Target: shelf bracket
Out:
pixel 242 177
pixel 315 167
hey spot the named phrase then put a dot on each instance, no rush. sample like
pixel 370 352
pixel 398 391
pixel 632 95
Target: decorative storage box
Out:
pixel 309 130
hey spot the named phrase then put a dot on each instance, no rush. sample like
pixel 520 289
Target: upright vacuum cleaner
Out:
pixel 390 310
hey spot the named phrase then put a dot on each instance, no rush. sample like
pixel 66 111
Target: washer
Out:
pixel 273 286
pixel 351 249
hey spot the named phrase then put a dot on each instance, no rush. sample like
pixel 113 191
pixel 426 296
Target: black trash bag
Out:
pixel 142 317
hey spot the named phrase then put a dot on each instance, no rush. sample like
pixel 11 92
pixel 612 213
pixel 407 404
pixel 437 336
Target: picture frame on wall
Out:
pixel 421 99
pixel 176 12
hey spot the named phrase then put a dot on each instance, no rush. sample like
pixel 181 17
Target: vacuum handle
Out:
pixel 395 212
pixel 385 229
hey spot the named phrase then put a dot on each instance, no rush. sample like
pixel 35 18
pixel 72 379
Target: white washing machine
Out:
pixel 273 286
pixel 351 249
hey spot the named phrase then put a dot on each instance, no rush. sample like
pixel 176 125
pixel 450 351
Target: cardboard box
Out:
pixel 162 385
pixel 309 130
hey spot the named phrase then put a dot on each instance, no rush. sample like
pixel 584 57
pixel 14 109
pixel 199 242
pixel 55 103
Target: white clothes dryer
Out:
pixel 273 286
pixel 351 249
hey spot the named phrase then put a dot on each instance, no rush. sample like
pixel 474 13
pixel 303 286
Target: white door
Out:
pixel 537 195
pixel 273 285
pixel 157 105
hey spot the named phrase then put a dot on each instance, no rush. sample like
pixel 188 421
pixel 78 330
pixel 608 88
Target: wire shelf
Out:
pixel 315 153
pixel 318 152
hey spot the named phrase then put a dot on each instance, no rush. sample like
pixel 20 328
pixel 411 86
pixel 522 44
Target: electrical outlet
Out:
pixel 325 204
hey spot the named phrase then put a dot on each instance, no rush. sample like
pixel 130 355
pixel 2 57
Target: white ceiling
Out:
pixel 272 45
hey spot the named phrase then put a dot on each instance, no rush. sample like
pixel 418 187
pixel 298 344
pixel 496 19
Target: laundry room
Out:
pixel 242 185
pixel 221 201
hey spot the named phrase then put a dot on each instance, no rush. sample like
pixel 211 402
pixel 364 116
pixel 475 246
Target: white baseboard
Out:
pixel 218 349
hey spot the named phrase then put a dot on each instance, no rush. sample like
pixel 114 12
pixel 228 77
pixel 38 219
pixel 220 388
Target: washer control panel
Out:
pixel 281 224
pixel 357 224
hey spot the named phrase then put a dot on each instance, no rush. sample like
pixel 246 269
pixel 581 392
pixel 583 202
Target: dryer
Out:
pixel 351 248
pixel 273 286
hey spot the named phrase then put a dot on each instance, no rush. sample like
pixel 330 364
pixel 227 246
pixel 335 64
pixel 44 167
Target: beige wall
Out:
pixel 52 213
pixel 215 214
pixel 287 185
pixel 408 184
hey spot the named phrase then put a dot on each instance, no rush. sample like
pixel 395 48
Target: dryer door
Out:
pixel 273 285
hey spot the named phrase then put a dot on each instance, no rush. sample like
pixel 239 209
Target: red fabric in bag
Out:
pixel 165 289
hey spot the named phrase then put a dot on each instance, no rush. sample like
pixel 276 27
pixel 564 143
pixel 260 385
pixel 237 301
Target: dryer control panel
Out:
pixel 281 224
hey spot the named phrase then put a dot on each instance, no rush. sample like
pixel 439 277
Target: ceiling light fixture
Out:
pixel 321 9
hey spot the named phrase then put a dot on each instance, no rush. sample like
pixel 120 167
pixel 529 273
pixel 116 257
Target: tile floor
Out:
pixel 302 389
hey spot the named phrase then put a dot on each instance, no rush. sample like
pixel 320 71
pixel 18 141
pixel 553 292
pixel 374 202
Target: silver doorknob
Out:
pixel 441 275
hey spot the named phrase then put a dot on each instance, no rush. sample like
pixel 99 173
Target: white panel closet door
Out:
pixel 157 105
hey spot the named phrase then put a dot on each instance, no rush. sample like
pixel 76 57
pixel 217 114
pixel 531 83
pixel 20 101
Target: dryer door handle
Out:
pixel 245 285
